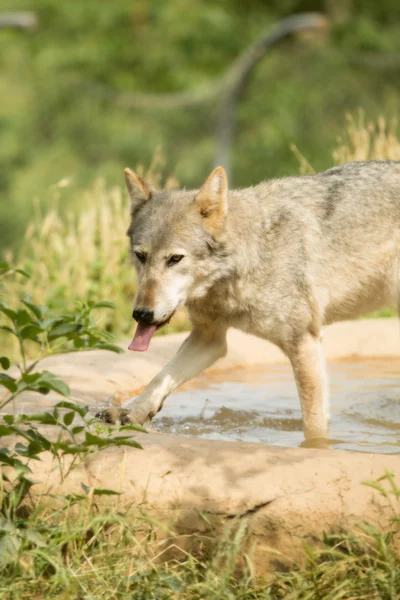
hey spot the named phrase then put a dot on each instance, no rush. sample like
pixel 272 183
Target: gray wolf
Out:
pixel 278 260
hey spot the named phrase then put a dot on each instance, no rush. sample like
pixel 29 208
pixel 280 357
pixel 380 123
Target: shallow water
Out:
pixel 261 405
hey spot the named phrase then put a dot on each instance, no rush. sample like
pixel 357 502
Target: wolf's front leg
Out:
pixel 199 351
pixel 309 368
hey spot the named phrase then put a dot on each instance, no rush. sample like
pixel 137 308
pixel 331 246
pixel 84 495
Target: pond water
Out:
pixel 261 405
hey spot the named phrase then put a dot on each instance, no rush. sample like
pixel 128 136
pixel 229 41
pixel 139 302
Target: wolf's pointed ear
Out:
pixel 212 200
pixel 139 191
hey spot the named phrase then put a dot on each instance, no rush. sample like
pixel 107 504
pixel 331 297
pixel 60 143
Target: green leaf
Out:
pixel 22 317
pixel 76 430
pixel 8 382
pixel 73 498
pixel 57 385
pixel 44 382
pixel 5 362
pixel 30 451
pixel 81 410
pixel 9 548
pixel 127 442
pixel 101 304
pixel 133 428
pixel 34 436
pixel 30 332
pixel 8 329
pixel 23 272
pixel 68 418
pixel 36 309
pixel 99 491
pixel 92 439
pixel 4 266
pixel 68 448
pixel 44 418
pixel 49 322
pixel 106 346
pixel 33 536
pixel 35 447
pixel 9 419
pixel 7 268
pixel 4 430
pixel 18 466
pixel 7 526
pixel 11 314
pixel 43 390
pixel 21 449
pixel 64 330
pixel 79 342
pixel 105 492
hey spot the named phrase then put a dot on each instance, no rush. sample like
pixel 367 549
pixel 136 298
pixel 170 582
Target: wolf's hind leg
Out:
pixel 308 362
pixel 199 351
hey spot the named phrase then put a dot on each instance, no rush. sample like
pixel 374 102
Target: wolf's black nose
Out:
pixel 143 315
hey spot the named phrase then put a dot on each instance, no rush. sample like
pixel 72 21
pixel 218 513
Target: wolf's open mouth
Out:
pixel 144 333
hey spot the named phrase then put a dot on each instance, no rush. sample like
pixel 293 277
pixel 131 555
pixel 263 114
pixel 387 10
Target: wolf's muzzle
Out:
pixel 143 315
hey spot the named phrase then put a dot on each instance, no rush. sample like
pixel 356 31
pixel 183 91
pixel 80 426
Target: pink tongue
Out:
pixel 143 335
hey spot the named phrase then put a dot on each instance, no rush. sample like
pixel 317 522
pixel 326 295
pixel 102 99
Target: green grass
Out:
pixel 89 555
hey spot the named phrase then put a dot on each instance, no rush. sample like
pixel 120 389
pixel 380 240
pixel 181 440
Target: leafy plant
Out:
pixel 77 330
pixel 61 333
pixel 74 440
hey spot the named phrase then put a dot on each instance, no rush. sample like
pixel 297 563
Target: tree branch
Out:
pixel 238 76
pixel 233 77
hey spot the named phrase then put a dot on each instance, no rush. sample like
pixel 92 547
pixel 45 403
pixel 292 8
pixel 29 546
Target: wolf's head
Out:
pixel 175 237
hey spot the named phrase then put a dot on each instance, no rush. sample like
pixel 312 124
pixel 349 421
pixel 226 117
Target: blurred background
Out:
pixel 89 87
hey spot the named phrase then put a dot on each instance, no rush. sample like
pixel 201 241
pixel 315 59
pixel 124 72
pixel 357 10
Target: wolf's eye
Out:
pixel 141 257
pixel 174 259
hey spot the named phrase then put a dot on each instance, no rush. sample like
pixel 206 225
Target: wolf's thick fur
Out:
pixel 278 260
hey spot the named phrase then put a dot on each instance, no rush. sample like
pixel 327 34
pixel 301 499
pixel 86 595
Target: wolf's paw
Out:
pixel 114 415
pixel 137 415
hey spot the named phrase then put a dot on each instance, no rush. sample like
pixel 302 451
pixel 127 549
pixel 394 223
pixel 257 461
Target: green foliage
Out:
pixel 33 323
pixel 358 566
pixel 76 436
pixel 78 441
pixel 75 551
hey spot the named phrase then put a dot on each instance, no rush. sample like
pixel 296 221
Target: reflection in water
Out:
pixel 261 405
